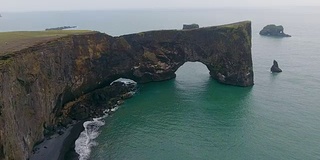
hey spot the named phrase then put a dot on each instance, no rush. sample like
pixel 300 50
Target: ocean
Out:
pixel 193 116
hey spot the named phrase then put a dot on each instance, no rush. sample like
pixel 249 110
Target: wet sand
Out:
pixel 58 146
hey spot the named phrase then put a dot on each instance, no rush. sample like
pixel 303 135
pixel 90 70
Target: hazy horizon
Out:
pixel 71 5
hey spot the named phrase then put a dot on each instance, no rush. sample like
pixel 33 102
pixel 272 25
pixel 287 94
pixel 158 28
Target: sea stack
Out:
pixel 275 67
pixel 273 31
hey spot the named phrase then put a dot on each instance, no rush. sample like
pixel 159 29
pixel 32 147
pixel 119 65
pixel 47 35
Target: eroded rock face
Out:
pixel 37 82
pixel 274 31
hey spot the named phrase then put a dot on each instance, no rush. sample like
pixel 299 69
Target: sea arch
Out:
pixel 225 50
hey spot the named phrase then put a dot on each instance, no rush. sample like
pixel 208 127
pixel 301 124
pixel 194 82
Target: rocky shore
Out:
pixel 59 143
pixel 56 146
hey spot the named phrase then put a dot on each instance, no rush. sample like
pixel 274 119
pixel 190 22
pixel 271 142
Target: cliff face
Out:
pixel 37 81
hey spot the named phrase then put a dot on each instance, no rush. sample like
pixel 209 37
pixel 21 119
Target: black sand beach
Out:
pixel 57 147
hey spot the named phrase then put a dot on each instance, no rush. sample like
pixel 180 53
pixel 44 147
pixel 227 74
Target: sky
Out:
pixel 58 5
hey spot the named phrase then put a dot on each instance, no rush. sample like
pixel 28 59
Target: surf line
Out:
pixel 86 140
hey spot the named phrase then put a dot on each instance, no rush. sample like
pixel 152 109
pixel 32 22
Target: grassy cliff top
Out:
pixel 14 41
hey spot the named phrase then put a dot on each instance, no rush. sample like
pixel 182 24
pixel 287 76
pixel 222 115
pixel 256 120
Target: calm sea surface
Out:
pixel 194 117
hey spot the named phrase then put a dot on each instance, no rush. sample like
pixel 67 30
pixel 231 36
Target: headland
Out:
pixel 47 80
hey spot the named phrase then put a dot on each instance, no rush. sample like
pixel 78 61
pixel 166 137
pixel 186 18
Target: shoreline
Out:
pixel 62 144
pixel 56 147
pixel 68 152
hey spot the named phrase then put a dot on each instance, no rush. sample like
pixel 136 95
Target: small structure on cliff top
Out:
pixel 190 26
pixel 274 31
pixel 275 67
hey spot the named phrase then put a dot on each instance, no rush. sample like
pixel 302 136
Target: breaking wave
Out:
pixel 86 140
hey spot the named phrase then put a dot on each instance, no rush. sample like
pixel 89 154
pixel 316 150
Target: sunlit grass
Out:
pixel 24 35
pixel 14 41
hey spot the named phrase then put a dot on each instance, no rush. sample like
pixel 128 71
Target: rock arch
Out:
pixel 225 50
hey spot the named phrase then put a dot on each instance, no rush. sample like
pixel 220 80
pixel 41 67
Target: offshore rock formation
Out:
pixel 273 30
pixel 190 26
pixel 275 67
pixel 38 81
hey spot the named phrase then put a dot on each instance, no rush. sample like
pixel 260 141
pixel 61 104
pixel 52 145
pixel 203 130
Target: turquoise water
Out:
pixel 194 117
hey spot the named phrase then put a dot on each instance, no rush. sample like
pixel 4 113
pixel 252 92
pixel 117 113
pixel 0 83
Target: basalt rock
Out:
pixel 37 82
pixel 274 31
pixel 275 67
pixel 94 103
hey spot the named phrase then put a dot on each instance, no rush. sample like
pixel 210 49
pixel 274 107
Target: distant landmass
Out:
pixel 59 28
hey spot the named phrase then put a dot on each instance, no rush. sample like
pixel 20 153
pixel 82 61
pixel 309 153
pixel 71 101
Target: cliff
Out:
pixel 37 81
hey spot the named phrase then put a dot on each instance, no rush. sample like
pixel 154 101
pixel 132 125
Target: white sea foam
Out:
pixel 86 141
pixel 114 109
pixel 125 81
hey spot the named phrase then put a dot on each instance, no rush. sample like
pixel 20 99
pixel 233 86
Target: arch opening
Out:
pixel 192 72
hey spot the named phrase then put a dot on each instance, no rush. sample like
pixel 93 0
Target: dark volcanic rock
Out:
pixel 275 67
pixel 94 103
pixel 41 85
pixel 190 26
pixel 273 30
